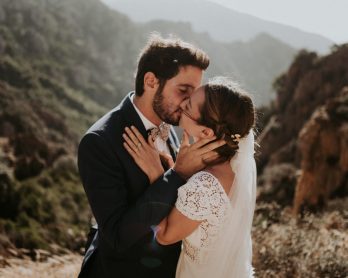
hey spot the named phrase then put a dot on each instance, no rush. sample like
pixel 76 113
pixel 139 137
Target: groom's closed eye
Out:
pixel 184 92
pixel 186 89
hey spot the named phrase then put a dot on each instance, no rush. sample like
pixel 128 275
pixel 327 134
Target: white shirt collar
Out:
pixel 159 143
pixel 147 123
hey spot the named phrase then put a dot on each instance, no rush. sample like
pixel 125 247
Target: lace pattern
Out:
pixel 202 198
pixel 190 251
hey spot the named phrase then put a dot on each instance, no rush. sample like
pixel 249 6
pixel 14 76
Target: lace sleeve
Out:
pixel 196 196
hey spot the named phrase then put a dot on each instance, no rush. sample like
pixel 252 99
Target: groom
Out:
pixel 125 204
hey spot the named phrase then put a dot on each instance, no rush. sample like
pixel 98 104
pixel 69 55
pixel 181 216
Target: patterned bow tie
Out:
pixel 162 131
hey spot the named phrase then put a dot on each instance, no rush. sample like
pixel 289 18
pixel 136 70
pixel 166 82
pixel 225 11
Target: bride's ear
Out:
pixel 207 132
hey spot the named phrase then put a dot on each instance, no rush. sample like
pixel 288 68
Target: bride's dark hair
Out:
pixel 227 110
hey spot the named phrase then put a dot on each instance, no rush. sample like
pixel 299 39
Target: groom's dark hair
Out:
pixel 164 57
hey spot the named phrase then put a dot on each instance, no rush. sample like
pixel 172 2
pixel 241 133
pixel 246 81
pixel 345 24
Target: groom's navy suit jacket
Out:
pixel 123 202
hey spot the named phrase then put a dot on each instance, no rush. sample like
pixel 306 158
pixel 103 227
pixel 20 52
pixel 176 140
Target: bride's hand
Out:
pixel 167 160
pixel 144 153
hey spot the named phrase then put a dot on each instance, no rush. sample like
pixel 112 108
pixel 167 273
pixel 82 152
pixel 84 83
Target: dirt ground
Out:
pixel 66 266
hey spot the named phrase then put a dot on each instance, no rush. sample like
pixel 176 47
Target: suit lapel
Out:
pixel 138 180
pixel 131 116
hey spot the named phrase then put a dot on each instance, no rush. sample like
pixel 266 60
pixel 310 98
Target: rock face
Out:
pixel 308 84
pixel 323 143
pixel 307 130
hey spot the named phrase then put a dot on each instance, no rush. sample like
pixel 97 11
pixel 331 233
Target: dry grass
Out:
pixel 313 246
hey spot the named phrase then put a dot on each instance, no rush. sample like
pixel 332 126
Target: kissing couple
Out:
pixel 165 209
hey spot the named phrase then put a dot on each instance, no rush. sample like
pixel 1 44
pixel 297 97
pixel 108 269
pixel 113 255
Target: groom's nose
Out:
pixel 183 103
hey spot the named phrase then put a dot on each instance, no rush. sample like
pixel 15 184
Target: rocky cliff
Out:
pixel 306 130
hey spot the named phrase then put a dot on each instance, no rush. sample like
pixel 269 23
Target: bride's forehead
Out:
pixel 197 97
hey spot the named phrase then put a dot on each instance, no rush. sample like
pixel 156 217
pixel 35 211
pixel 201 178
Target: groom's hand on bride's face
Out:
pixel 193 158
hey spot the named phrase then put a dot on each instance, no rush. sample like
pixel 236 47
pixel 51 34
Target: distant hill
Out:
pixel 253 64
pixel 97 50
pixel 223 24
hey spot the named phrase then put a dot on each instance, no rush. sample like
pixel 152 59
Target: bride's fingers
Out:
pixel 164 155
pixel 210 157
pixel 202 142
pixel 167 158
pixel 129 150
pixel 130 143
pixel 212 146
pixel 185 139
pixel 138 135
pixel 131 135
pixel 150 141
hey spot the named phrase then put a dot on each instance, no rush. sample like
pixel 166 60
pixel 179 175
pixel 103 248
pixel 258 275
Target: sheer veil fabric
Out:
pixel 232 251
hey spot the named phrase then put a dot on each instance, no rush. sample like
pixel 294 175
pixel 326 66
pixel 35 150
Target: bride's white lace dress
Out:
pixel 203 198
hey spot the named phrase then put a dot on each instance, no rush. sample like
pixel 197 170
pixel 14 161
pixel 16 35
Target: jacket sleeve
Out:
pixel 103 177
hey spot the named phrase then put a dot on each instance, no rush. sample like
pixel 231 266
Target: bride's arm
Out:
pixel 175 227
pixel 196 202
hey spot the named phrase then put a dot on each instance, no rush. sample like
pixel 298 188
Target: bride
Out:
pixel 214 209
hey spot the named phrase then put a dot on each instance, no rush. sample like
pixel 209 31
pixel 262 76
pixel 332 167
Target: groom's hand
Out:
pixel 195 157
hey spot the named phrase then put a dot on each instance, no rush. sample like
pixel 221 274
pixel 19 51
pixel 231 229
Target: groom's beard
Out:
pixel 166 112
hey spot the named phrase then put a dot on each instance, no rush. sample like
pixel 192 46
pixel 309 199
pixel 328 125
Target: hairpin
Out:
pixel 235 137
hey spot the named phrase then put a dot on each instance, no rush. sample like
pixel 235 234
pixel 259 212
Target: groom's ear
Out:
pixel 150 82
pixel 207 132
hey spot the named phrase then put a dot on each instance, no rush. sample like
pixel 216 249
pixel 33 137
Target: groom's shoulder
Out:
pixel 108 121
pixel 108 126
pixel 111 121
pixel 101 132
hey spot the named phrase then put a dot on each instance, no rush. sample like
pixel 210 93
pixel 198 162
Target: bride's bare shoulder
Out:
pixel 224 174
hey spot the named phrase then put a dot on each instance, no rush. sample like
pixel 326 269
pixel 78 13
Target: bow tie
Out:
pixel 162 131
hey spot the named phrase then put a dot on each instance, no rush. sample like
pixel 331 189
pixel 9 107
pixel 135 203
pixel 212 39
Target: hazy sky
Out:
pixel 325 17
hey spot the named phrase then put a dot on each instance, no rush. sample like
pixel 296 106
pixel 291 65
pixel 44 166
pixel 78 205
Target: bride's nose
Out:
pixel 183 103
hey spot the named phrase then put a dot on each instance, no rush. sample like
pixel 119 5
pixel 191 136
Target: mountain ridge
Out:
pixel 222 23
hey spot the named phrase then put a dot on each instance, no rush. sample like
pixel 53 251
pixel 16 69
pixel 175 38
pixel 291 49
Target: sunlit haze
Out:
pixel 324 17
